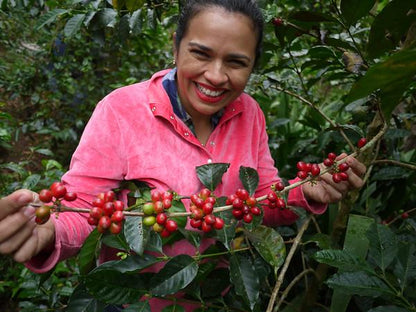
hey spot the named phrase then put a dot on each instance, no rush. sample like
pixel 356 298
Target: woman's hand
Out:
pixel 20 236
pixel 326 191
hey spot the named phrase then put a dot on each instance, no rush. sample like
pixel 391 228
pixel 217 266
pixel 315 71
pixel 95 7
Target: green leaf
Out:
pixel 82 301
pixel 250 179
pixel 245 280
pixel 115 241
pixel 341 260
pixel 383 245
pixel 132 264
pixel 135 22
pixel 269 244
pixel 322 240
pixel 391 77
pixel 174 276
pixel 107 17
pixel 353 10
pixel 390 26
pixel 405 266
pixel 227 233
pixel 142 306
pixel 210 175
pixel 114 287
pixel 135 234
pixel 390 173
pixel 89 250
pixel 50 17
pixel 31 181
pixel 73 25
pixel 359 283
pixel 133 5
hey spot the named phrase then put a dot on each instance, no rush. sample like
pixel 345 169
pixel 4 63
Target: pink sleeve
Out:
pixel 268 175
pixel 95 167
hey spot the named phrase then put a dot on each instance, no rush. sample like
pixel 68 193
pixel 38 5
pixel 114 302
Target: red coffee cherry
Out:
pixel 45 196
pixel 361 142
pixel 315 170
pixel 205 227
pixel 219 223
pixel 255 211
pixel 336 177
pixel 251 201
pixel 70 196
pixel 161 218
pixel 59 191
pixel 248 218
pixel 332 156
pixel 207 208
pixel 405 215
pixel 115 228
pixel 104 223
pixel 302 175
pixel 108 208
pixel 277 21
pixel 279 186
pixel 167 203
pixel 165 233
pixel 343 167
pixel 117 216
pixel 109 196
pixel 171 225
pixel 96 212
pixel 92 221
pixel 243 194
pixel 156 195
pixel 328 162
pixel 204 193
pixel 209 219
pixel 195 223
pixel 118 205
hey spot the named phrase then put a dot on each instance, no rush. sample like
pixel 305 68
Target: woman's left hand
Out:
pixel 326 191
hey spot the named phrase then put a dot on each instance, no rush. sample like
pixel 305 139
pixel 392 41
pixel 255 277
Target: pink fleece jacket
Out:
pixel 133 134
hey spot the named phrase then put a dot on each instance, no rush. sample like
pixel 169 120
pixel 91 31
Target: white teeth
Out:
pixel 209 92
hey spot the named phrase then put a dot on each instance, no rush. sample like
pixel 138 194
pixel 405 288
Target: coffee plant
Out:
pixel 332 74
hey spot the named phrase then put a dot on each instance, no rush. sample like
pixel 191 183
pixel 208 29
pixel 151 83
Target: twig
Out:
pixel 289 287
pixel 289 257
pixel 394 162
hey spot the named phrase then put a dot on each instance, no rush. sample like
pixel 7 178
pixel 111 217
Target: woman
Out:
pixel 159 130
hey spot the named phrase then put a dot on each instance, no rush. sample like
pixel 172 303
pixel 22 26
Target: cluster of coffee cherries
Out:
pixel 155 213
pixel 56 192
pixel 338 171
pixel 274 200
pixel 202 208
pixel 306 170
pixel 244 205
pixel 107 213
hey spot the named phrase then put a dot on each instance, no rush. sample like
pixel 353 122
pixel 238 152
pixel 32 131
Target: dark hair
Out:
pixel 248 8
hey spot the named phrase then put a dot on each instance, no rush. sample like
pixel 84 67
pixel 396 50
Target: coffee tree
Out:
pixel 331 75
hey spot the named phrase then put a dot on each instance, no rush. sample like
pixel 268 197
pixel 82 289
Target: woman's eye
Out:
pixel 238 63
pixel 199 53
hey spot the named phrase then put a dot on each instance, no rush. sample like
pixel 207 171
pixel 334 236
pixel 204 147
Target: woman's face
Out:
pixel 214 60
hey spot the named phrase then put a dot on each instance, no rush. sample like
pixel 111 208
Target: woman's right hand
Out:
pixel 20 236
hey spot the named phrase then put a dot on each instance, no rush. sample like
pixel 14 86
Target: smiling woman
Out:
pixel 158 131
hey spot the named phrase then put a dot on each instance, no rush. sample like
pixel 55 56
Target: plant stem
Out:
pixel 289 257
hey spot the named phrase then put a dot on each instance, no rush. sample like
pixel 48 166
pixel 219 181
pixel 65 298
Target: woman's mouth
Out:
pixel 208 94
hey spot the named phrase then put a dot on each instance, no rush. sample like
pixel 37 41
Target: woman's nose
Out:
pixel 216 73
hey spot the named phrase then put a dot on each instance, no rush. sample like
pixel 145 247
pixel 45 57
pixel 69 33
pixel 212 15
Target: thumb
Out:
pixel 15 201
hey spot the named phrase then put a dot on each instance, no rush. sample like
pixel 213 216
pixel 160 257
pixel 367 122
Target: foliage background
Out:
pixel 58 59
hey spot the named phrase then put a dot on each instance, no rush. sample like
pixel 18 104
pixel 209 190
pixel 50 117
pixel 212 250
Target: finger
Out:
pixel 15 201
pixel 356 166
pixel 341 187
pixel 28 250
pixel 14 243
pixel 15 222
